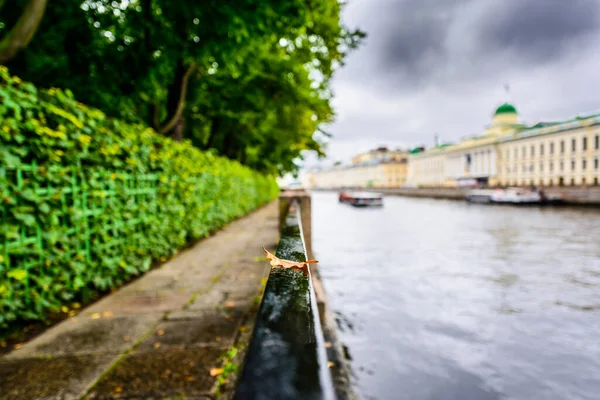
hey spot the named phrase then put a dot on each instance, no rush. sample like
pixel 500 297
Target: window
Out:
pixel 583 181
pixel 584 144
pixel 524 168
pixel 573 145
pixel 541 167
pixel 572 181
pixel 597 142
pixel 523 151
pixel 551 147
pixel 584 164
pixel 531 168
pixel 573 165
pixel 562 146
pixel 595 163
pixel 562 165
pixel 596 180
pixel 532 151
pixel 550 165
pixel 541 149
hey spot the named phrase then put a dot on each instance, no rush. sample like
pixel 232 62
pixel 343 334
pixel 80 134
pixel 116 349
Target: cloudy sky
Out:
pixel 440 66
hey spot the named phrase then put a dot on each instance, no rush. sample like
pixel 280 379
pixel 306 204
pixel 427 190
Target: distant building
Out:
pixel 381 154
pixel 379 168
pixel 510 153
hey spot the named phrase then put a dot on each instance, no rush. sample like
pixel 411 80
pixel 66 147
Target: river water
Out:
pixel 440 299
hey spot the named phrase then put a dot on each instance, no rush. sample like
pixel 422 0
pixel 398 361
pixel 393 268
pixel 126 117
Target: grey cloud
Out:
pixel 416 41
pixel 539 31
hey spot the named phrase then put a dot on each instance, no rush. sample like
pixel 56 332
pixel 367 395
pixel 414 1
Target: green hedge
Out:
pixel 88 202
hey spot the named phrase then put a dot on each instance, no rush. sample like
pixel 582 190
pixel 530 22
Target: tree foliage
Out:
pixel 248 78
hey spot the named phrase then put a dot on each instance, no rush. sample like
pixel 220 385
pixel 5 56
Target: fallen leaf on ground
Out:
pixel 107 314
pixel 243 328
pixel 279 262
pixel 118 389
pixel 64 309
pixel 330 364
pixel 126 338
pixel 95 315
pixel 218 339
pixel 17 346
pixel 156 345
pixel 160 332
pixel 229 304
pixel 190 378
pixel 216 371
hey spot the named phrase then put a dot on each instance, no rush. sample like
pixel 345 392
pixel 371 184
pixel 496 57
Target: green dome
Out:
pixel 506 109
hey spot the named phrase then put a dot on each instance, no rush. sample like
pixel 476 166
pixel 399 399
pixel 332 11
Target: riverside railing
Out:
pixel 286 358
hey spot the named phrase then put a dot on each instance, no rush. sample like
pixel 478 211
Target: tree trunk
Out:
pixel 176 98
pixel 21 34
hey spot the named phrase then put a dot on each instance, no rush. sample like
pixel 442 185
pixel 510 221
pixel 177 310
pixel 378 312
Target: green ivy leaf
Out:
pixel 17 274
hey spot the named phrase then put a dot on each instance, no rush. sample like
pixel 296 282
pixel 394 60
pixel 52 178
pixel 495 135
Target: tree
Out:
pixel 248 78
pixel 22 32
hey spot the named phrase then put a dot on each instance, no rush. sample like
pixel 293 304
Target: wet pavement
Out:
pixel 159 336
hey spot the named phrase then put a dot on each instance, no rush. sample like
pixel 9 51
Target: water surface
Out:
pixel 445 300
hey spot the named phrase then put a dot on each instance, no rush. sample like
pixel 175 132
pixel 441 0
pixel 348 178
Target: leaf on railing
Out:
pixel 279 262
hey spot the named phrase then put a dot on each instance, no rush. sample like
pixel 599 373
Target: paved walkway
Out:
pixel 158 337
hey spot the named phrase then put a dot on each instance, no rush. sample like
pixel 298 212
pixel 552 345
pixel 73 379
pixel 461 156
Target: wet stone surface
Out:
pixel 56 378
pixel 84 335
pixel 201 329
pixel 160 373
pixel 158 337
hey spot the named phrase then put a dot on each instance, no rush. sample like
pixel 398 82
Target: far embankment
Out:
pixel 571 195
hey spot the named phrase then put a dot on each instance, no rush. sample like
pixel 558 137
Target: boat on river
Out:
pixel 361 199
pixel 511 196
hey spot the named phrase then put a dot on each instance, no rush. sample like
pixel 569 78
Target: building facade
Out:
pixel 372 171
pixel 513 154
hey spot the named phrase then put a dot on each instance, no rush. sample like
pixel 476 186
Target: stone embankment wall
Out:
pixel 571 195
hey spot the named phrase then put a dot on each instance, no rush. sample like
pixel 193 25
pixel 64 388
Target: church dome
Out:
pixel 506 109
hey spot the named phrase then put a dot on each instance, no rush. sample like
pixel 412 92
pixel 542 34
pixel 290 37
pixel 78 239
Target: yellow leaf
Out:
pixel 216 371
pixel 118 389
pixel 156 345
pixel 278 262
pixel 76 305
pixel 107 314
pixel 160 332
pixel 95 315
pixel 189 379
pixel 330 364
pixel 64 309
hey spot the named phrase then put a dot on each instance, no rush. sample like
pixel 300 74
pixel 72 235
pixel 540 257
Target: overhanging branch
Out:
pixel 21 34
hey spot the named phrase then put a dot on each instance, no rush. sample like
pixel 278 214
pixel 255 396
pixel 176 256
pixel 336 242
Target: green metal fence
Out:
pixel 65 230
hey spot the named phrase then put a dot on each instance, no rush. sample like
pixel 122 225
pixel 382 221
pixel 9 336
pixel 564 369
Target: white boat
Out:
pixel 508 196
